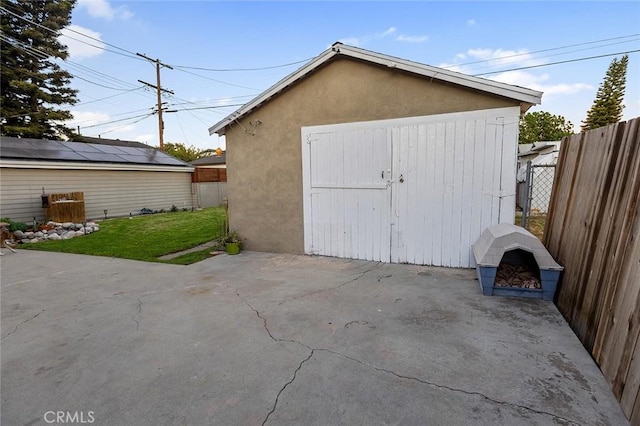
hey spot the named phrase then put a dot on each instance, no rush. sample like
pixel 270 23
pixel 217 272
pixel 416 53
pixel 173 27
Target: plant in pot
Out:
pixel 232 242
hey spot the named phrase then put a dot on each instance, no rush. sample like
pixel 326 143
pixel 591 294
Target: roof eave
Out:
pixel 527 97
pixel 219 127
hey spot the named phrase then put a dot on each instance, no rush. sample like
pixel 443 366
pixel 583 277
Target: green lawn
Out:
pixel 535 224
pixel 146 237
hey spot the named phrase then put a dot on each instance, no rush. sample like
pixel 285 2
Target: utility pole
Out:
pixel 159 90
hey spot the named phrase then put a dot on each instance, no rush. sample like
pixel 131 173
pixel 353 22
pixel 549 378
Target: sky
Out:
pixel 224 53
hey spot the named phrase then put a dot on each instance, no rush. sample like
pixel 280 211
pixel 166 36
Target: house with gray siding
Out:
pixel 120 178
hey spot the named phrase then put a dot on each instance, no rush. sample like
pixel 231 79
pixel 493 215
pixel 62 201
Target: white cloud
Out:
pixel 500 57
pixel 537 82
pixel 147 138
pixel 87 118
pixel 353 41
pixel 362 40
pixel 389 31
pixel 77 49
pixel 471 22
pixel 103 9
pixel 412 38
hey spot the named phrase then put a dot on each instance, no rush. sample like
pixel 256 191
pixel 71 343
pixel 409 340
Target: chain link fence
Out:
pixel 535 196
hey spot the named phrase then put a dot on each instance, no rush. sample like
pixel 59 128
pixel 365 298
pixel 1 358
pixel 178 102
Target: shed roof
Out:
pixel 211 160
pixel 12 148
pixel 526 96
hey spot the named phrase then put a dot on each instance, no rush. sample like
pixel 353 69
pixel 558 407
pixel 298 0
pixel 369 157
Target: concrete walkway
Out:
pixel 262 338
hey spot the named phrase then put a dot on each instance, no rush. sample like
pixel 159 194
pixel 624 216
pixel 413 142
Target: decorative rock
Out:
pixel 34 240
pixel 68 235
pixel 79 233
pixel 67 225
pixel 38 234
pixel 54 237
pixel 19 235
pixel 29 234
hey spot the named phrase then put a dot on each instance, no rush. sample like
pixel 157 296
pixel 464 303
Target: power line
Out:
pixel 209 107
pixel 108 97
pixel 547 50
pixel 130 54
pixel 119 120
pixel 217 81
pixel 121 127
pixel 243 69
pixel 559 62
pixel 41 55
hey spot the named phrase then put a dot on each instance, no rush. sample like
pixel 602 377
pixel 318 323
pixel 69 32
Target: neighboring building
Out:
pixel 210 180
pixel 531 151
pixel 363 155
pixel 212 161
pixel 121 179
pixel 544 157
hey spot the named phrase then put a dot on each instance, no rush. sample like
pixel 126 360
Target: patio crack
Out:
pixel 449 388
pixel 295 373
pixel 279 340
pixel 313 293
pixel 138 311
pixel 383 370
pixel 21 323
pixel 265 325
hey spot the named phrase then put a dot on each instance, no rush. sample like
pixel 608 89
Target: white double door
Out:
pixel 417 190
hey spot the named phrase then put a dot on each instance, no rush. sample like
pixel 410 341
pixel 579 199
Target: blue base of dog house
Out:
pixel 549 280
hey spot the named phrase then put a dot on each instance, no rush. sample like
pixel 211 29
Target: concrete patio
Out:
pixel 262 338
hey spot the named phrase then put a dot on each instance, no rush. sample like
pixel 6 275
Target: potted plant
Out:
pixel 232 242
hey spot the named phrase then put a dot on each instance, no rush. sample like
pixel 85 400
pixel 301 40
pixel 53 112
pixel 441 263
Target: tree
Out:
pixel 184 153
pixel 543 126
pixel 607 107
pixel 33 86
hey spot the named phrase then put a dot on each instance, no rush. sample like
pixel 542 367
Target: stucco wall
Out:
pixel 265 177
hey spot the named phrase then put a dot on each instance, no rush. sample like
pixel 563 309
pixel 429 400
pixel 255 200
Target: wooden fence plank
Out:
pixel 593 230
pixel 622 245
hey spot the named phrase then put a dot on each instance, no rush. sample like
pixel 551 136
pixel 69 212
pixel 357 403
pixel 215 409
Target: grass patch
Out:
pixel 535 224
pixel 146 237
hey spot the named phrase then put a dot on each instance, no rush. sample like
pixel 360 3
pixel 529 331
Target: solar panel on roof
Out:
pixel 101 157
pixel 60 155
pixel 35 149
pixel 84 147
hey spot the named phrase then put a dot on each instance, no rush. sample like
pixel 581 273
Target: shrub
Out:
pixel 14 226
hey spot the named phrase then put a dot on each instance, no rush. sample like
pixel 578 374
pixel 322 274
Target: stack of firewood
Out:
pixel 521 276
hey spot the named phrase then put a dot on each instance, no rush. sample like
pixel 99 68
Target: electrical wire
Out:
pixel 549 50
pixel 209 107
pixel 129 55
pixel 217 81
pixel 119 120
pixel 559 62
pixel 122 127
pixel 108 97
pixel 243 69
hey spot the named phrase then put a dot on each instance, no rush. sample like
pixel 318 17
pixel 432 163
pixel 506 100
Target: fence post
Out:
pixel 527 198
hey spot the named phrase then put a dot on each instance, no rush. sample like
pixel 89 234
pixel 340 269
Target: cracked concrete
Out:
pixel 261 338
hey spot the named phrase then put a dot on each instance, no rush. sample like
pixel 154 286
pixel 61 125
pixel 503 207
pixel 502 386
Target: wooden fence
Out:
pixel 66 207
pixel 202 174
pixel 593 230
